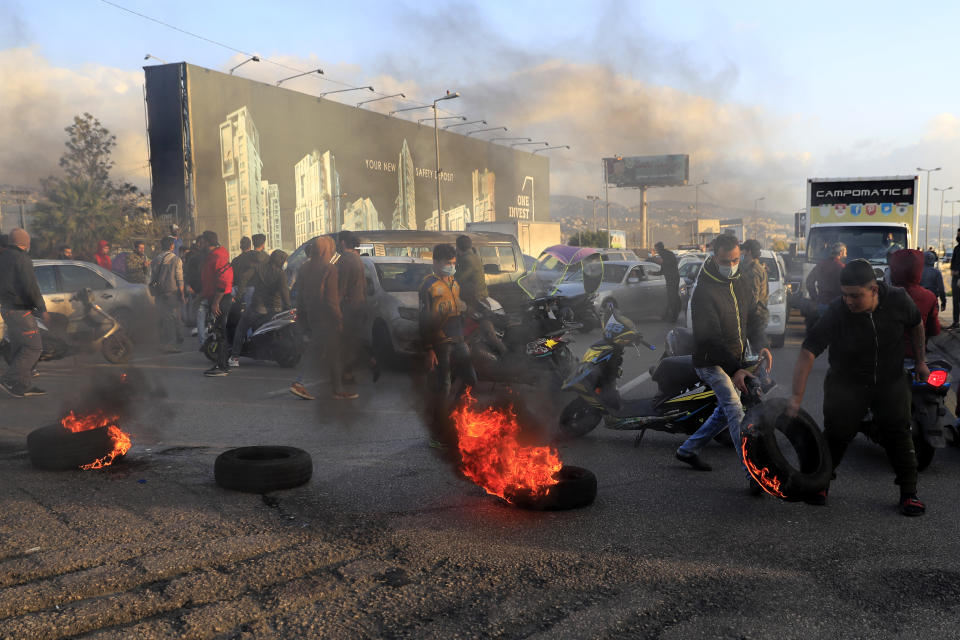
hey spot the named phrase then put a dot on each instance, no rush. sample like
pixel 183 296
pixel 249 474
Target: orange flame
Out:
pixel 768 482
pixel 97 420
pixel 492 457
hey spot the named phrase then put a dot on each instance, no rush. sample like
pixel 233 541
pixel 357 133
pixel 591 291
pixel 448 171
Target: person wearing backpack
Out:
pixel 166 287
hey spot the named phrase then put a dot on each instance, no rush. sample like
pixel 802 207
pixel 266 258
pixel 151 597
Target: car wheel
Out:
pixel 262 469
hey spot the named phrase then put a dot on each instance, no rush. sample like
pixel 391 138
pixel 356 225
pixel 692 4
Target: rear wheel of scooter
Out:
pixel 768 463
pixel 117 348
pixel 262 469
pixel 578 419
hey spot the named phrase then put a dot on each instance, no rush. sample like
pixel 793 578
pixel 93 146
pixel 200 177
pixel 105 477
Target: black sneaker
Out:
pixel 694 461
pixel 216 372
pixel 910 505
pixel 34 391
pixel 9 388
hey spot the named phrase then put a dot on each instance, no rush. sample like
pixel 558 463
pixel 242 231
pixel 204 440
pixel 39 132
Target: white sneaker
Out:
pixel 233 362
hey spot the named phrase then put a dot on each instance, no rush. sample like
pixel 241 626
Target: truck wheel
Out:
pixel 262 469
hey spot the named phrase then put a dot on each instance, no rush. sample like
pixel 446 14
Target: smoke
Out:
pixel 39 100
pixel 123 392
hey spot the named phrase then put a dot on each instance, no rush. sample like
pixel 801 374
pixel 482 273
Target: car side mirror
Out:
pixel 491 269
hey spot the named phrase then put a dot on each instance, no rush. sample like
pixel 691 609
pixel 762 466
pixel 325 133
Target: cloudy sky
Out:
pixel 761 95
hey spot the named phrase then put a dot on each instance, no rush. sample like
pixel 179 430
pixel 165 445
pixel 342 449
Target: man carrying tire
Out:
pixel 864 331
pixel 721 313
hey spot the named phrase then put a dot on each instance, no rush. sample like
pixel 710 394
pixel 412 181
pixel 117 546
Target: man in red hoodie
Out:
pixel 906 269
pixel 217 280
pixel 102 256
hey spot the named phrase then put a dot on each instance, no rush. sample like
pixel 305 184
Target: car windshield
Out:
pixel 690 269
pixel 402 276
pixel 862 240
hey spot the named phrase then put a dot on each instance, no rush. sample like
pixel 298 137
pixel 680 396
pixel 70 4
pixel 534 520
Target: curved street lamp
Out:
pixel 521 138
pixel 421 120
pixel 926 224
pixel 305 73
pixel 395 95
pixel 482 130
pixel 250 59
pixel 463 124
pixel 562 146
pixel 326 93
pixel 150 55
pixel 940 229
pixel 436 140
pixel 518 144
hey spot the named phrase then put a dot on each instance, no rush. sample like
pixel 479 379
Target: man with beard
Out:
pixel 138 265
pixel 20 299
pixel 721 313
pixel 864 331
pixel 217 290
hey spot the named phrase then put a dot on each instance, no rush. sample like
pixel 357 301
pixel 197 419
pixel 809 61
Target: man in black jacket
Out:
pixel 955 283
pixel 721 314
pixel 864 330
pixel 20 298
pixel 669 267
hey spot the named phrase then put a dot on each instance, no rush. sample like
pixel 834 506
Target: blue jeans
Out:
pixel 727 415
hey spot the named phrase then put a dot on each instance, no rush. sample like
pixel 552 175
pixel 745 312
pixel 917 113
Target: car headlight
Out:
pixel 777 297
pixel 409 313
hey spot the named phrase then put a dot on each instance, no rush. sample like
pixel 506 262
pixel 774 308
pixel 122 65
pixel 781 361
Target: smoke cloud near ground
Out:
pixel 126 392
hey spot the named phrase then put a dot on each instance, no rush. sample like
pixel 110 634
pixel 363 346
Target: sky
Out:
pixel 762 95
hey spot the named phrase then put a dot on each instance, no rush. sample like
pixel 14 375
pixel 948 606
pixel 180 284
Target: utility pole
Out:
pixel 606 197
pixel 643 217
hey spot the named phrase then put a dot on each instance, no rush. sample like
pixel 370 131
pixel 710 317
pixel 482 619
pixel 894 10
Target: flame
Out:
pixel 492 457
pixel 767 481
pixel 97 420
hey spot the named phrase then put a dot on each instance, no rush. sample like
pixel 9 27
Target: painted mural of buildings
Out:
pixel 455 219
pixel 405 209
pixel 240 168
pixel 483 202
pixel 317 196
pixel 270 193
pixel 361 215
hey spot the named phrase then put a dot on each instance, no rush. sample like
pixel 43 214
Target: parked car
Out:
pixel 777 303
pixel 634 287
pixel 60 279
pixel 392 293
pixel 689 270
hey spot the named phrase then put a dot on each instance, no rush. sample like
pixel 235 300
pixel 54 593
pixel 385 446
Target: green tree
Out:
pixel 84 205
pixel 589 239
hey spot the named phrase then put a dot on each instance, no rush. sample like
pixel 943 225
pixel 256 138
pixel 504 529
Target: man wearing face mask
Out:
pixel 721 313
pixel 955 283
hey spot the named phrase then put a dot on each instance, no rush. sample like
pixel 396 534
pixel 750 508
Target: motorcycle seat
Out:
pixel 674 374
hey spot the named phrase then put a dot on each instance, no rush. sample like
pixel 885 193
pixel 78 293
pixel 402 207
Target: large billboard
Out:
pixel 862 200
pixel 243 157
pixel 647 171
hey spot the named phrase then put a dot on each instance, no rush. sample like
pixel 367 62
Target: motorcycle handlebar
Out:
pixel 647 344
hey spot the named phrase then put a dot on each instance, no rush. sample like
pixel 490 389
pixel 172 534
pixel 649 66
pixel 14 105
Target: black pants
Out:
pixel 844 405
pixel 25 347
pixel 220 332
pixel 955 290
pixel 355 350
pixel 168 316
pixel 453 362
pixel 673 301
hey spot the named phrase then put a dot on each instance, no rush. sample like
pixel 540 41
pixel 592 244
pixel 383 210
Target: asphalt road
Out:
pixel 388 541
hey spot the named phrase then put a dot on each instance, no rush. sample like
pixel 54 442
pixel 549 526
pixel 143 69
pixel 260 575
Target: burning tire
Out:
pixel 57 449
pixel 577 488
pixel 262 469
pixel 768 464
pixel 578 419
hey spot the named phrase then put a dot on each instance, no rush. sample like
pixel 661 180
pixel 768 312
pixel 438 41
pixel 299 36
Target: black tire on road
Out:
pixel 759 427
pixel 577 487
pixel 262 469
pixel 578 419
pixel 57 449
pixel 117 349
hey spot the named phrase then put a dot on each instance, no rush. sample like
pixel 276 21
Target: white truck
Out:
pixel 872 216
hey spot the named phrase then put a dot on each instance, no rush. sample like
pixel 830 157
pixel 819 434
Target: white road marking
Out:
pixel 630 384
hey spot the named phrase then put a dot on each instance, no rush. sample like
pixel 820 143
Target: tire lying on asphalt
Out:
pixel 576 488
pixel 262 469
pixel 767 462
pixel 57 449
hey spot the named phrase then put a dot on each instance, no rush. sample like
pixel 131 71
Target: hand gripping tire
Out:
pixel 262 469
pixel 577 487
pixel 578 419
pixel 767 463
pixel 57 449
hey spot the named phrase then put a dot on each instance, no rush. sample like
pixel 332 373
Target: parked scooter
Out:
pixel 95 330
pixel 682 402
pixel 928 412
pixel 277 339
pixel 534 351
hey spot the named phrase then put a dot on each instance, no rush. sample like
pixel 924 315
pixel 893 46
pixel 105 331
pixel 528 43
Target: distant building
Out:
pixel 405 209
pixel 317 192
pixel 483 196
pixel 361 215
pixel 455 219
pixel 240 168
pixel 270 193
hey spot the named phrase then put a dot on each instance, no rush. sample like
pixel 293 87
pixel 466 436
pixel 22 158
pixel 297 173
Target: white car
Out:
pixel 777 303
pixel 393 285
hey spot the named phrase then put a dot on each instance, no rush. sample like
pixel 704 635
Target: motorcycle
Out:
pixel 534 351
pixel 681 405
pixel 927 410
pixel 95 330
pixel 276 339
pixel 569 277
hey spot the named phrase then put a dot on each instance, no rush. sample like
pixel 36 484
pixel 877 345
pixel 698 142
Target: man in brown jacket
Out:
pixel 353 306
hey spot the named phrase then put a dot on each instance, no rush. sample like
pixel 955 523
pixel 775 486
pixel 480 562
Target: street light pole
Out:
pixel 595 199
pixel 436 140
pixel 940 228
pixel 250 59
pixel 953 219
pixel 926 224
